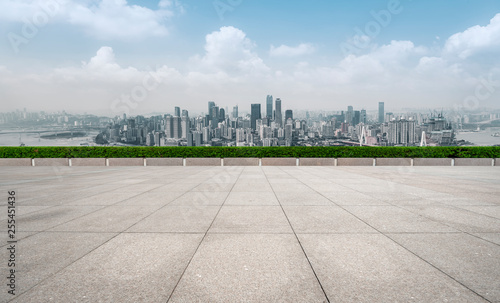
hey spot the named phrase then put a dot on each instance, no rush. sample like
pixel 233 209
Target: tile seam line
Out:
pixel 411 252
pixel 297 238
pixel 203 238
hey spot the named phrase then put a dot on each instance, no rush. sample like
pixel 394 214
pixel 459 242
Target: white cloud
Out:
pixel 231 52
pixel 289 51
pixel 475 40
pixel 102 19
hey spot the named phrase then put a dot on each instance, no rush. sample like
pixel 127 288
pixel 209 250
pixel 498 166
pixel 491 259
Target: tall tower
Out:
pixel 177 111
pixel 235 112
pixel 288 115
pixel 269 103
pixel 278 116
pixel 381 112
pixel 256 114
pixel 211 104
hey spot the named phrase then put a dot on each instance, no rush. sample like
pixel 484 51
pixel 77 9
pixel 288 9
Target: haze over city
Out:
pixel 112 56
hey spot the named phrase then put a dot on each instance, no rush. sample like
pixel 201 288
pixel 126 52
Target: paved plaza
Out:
pixel 253 234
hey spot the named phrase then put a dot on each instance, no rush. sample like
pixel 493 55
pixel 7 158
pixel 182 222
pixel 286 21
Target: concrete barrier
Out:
pixel 51 162
pixel 88 162
pixel 473 162
pixel 317 162
pixel 126 161
pixel 164 162
pixel 15 162
pixel 279 162
pixel 241 161
pixel 393 161
pixel 355 161
pixel 497 162
pixel 203 162
pixel 431 162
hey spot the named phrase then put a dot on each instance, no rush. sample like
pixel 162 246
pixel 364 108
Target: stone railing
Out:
pixel 249 162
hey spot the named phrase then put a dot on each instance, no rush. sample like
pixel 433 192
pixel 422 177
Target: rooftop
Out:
pixel 253 234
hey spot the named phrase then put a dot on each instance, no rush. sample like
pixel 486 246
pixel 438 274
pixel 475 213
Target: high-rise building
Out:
pixel 362 116
pixel 177 129
pixel 222 115
pixel 356 118
pixel 177 111
pixel 186 125
pixel 214 117
pixel 381 114
pixel 235 112
pixel 211 104
pixel 169 127
pixel 288 115
pixel 185 113
pixel 269 107
pixel 255 115
pixel 349 115
pixel 278 116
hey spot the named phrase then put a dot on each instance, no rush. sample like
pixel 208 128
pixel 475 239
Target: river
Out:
pixel 481 138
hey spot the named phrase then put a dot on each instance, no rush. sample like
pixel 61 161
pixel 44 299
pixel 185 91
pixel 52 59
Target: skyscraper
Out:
pixel 278 116
pixel 255 114
pixel 349 116
pixel 288 115
pixel 214 117
pixel 362 117
pixel 222 115
pixel 235 112
pixel 169 127
pixel 381 112
pixel 269 103
pixel 177 111
pixel 177 129
pixel 211 104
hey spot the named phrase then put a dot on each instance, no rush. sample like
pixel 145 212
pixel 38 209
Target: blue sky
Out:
pixel 94 55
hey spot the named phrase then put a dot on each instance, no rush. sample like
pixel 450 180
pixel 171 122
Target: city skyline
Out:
pixel 115 56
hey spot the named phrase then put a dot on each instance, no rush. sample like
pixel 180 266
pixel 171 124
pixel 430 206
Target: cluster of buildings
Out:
pixel 275 127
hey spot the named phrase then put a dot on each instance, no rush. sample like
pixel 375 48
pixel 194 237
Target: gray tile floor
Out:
pixel 253 234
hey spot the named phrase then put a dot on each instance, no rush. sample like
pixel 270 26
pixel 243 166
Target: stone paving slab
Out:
pixel 254 234
pixel 469 260
pixel 354 268
pixel 249 268
pixel 129 268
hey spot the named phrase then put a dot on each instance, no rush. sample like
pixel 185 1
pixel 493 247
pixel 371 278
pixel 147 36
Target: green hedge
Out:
pixel 249 152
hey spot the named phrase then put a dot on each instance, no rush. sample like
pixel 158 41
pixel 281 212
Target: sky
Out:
pixel 138 57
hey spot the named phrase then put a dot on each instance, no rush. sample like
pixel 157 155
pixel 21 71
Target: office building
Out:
pixel 381 113
pixel 255 115
pixel 278 116
pixel 177 112
pixel 288 115
pixel 269 107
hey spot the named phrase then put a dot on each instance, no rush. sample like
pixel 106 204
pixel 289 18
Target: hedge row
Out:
pixel 249 152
